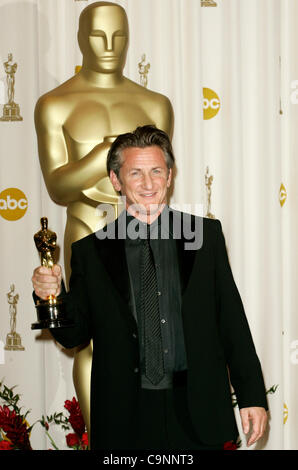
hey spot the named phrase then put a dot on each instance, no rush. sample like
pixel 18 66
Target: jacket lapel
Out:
pixel 186 257
pixel 112 254
pixel 186 260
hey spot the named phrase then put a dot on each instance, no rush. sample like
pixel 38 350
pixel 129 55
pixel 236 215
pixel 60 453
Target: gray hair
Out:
pixel 145 136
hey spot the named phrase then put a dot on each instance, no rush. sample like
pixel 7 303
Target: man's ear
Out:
pixel 115 181
pixel 169 178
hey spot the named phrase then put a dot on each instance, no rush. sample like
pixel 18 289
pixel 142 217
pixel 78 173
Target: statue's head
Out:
pixel 103 37
pixel 44 223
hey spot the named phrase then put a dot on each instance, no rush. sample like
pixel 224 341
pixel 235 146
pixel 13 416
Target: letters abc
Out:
pixel 13 204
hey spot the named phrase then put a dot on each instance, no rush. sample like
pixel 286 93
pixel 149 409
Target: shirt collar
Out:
pixel 162 227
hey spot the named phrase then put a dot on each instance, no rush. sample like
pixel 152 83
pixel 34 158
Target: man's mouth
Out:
pixel 148 194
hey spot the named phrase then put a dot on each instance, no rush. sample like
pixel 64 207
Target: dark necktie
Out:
pixel 154 366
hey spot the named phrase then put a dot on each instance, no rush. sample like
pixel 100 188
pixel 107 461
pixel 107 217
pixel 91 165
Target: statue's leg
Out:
pixel 75 230
pixel 81 379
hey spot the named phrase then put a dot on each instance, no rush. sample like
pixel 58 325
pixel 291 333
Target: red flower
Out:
pixel 230 445
pixel 85 440
pixel 72 440
pixel 5 445
pixel 15 428
pixel 76 418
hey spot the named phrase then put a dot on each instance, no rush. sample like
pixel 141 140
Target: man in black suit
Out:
pixel 155 292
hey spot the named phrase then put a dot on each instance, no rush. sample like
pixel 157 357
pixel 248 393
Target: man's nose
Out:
pixel 147 181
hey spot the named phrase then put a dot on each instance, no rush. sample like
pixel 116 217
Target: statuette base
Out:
pixel 13 342
pixel 50 314
pixel 11 112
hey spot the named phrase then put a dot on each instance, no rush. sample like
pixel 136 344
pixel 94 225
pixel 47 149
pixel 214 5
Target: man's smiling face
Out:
pixel 144 179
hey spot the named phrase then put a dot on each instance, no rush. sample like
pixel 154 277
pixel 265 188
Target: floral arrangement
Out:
pixel 15 430
pixel 77 440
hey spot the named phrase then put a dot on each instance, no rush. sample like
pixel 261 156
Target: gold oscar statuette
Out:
pixel 208 184
pixel 50 312
pixel 143 71
pixel 11 110
pixel 13 339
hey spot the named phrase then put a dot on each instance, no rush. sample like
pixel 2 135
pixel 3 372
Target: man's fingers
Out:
pixel 56 270
pixel 47 281
pixel 258 416
pixel 46 285
pixel 256 434
pixel 44 294
pixel 259 426
pixel 245 421
pixel 43 274
pixel 42 270
pixel 44 278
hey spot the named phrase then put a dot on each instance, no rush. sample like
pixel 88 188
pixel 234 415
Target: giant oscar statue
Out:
pixel 76 123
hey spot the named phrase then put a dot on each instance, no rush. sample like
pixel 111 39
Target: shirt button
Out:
pixel 166 351
pixel 158 293
pixel 136 369
pixel 134 335
pixel 163 320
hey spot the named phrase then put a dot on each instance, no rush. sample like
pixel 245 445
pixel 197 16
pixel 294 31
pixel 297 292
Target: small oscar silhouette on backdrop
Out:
pixel 208 3
pixel 11 110
pixel 50 312
pixel 208 184
pixel 143 71
pixel 13 339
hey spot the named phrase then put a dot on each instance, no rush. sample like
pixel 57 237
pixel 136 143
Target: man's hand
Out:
pixel 47 281
pixel 258 416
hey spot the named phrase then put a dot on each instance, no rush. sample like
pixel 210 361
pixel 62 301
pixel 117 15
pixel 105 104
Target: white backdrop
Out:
pixel 246 52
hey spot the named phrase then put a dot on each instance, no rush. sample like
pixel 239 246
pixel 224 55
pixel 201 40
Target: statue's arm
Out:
pixel 65 179
pixel 163 115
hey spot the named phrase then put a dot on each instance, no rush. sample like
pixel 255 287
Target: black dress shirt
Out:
pixel 168 280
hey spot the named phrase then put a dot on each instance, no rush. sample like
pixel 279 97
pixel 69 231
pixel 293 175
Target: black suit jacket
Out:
pixel 217 337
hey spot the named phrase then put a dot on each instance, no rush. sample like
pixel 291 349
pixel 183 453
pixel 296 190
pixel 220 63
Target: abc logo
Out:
pixel 211 103
pixel 13 204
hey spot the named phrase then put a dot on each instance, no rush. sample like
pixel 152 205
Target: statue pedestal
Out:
pixel 11 112
pixel 13 342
